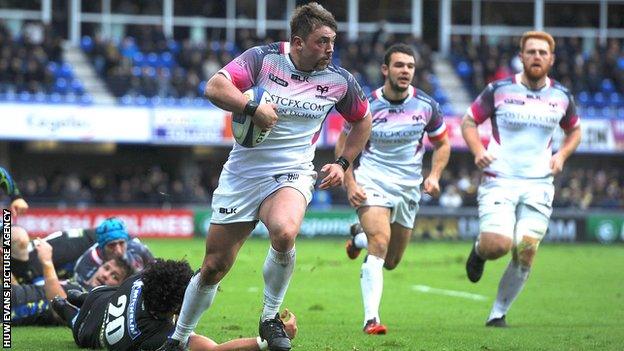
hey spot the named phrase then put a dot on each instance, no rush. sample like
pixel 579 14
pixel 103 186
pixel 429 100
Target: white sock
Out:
pixel 277 270
pixel 197 299
pixel 360 241
pixel 509 287
pixel 371 281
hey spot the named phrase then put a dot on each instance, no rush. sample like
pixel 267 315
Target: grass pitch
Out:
pixel 574 300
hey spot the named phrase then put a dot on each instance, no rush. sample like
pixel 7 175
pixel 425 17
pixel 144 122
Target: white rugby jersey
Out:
pixel 523 122
pixel 303 99
pixel 395 150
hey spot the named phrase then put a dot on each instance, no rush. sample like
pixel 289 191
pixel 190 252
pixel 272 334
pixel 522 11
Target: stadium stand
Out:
pixel 32 68
pixel 595 75
pixel 166 68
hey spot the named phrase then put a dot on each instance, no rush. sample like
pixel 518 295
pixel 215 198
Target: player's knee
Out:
pixel 214 269
pixel 493 249
pixel 19 243
pixel 283 234
pixel 378 248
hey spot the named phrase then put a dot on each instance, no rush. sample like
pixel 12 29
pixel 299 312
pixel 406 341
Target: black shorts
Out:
pixel 29 306
pixel 86 329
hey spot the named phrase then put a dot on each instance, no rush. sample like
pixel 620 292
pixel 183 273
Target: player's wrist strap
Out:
pixel 343 162
pixel 250 108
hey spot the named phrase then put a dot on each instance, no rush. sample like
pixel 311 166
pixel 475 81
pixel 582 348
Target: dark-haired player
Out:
pixel 385 189
pixel 138 315
pixel 273 181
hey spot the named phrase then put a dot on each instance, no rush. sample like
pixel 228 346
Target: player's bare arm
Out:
pixel 222 92
pixel 471 136
pixel 570 143
pixel 355 193
pixel 439 160
pixel 354 143
pixel 201 343
pixel 51 285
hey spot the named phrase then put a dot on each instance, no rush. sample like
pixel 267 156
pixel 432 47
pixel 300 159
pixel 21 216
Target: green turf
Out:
pixel 574 300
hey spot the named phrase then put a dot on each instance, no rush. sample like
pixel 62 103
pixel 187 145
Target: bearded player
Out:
pixel 516 192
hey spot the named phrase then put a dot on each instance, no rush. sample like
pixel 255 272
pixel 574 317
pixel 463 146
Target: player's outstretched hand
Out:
pixel 290 323
pixel 332 174
pixel 432 186
pixel 556 164
pixel 44 250
pixel 266 116
pixel 18 206
pixel 483 159
pixel 356 195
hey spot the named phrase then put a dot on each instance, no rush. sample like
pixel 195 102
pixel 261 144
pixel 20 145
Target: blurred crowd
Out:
pixel 583 66
pixel 152 186
pixel 128 185
pixel 146 63
pixel 25 59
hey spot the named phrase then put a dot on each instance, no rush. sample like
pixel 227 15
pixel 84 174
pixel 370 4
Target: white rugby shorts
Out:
pixel 515 207
pixel 402 200
pixel 238 199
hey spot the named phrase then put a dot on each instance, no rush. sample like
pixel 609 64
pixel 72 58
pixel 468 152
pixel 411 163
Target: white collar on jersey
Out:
pixel 410 94
pixel 518 79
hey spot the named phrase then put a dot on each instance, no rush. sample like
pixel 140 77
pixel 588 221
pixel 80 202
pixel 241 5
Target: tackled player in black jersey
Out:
pixel 138 315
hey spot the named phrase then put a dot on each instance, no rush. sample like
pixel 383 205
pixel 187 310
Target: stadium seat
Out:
pixel 584 98
pixel 607 86
pixel 60 86
pixel 138 59
pixel 166 59
pixel 464 69
pixel 599 100
pixel 152 59
pixel 86 44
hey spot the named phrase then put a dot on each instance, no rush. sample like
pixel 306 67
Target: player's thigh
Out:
pixel 497 210
pixel 375 221
pixel 237 199
pixel 399 239
pixel 282 212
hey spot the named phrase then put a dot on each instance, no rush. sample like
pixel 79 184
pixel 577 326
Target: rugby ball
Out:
pixel 245 132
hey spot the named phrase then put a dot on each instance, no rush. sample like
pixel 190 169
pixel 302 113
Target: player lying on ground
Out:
pixel 139 313
pixel 77 253
pixel 30 303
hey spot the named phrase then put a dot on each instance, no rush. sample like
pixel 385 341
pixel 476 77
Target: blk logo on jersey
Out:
pixel 278 80
pixel 224 210
pixel 396 110
pixel 303 79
